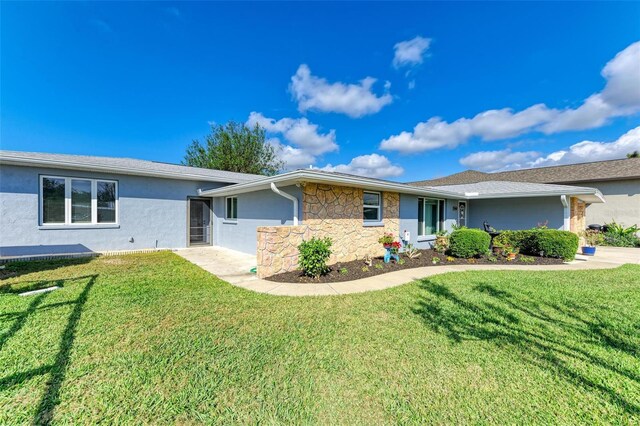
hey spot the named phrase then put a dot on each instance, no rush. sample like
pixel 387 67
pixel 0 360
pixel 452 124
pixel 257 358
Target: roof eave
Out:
pixel 70 165
pixel 592 195
pixel 302 176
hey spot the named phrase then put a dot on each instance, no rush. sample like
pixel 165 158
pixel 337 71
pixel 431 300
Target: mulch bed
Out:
pixel 347 271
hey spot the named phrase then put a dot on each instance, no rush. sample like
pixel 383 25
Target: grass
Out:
pixel 154 339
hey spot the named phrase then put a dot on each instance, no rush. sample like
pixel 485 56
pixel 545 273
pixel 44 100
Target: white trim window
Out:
pixel 78 201
pixel 430 216
pixel 371 206
pixel 231 208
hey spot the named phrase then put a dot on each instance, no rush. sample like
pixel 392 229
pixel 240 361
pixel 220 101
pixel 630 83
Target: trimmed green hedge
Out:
pixel 541 242
pixel 468 243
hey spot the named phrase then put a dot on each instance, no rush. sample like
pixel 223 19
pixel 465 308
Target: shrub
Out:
pixel 468 243
pixel 541 242
pixel 522 240
pixel 554 243
pixel 313 257
pixel 616 240
pixel 619 236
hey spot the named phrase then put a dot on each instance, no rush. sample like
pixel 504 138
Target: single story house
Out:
pixel 617 180
pixel 53 204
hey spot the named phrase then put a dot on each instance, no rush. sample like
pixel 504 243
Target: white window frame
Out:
pixel 379 206
pixel 67 203
pixel 226 210
pixel 439 220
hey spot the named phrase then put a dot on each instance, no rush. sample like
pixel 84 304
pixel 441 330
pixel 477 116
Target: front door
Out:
pixel 199 221
pixel 462 213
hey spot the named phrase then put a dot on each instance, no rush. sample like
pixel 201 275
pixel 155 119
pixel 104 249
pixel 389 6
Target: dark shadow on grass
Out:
pixel 18 268
pixel 51 397
pixel 20 318
pixel 57 370
pixel 556 337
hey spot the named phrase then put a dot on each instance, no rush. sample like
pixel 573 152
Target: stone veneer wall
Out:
pixel 578 220
pixel 327 211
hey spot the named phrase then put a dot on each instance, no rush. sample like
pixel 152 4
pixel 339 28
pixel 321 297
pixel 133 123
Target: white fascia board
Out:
pixel 302 176
pixel 591 194
pixel 70 165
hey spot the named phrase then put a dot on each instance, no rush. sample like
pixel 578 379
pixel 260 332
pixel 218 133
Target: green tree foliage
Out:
pixel 234 147
pixel 634 154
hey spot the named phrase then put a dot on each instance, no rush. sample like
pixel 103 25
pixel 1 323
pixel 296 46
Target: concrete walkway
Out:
pixel 234 267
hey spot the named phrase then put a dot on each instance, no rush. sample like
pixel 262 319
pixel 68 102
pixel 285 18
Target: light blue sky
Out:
pixel 381 89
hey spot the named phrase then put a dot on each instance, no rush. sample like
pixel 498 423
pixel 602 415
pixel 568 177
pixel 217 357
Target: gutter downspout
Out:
pixel 275 189
pixel 567 212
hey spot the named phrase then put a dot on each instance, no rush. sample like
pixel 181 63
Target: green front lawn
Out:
pixel 154 339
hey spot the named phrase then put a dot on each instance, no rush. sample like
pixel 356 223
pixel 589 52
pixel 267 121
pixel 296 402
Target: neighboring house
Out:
pixel 617 180
pixel 51 203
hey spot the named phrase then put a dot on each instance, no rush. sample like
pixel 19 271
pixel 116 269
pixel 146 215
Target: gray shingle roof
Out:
pixel 628 168
pixel 508 188
pixel 123 166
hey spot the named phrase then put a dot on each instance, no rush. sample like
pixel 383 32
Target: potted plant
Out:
pixel 592 239
pixel 510 252
pixel 497 248
pixel 391 246
pixel 386 240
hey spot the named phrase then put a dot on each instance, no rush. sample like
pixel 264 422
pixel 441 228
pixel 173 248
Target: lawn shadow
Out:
pixel 551 336
pixel 19 268
pixel 58 369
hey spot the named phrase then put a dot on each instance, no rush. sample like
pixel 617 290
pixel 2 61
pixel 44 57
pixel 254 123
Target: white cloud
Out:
pixel 497 160
pixel 297 131
pixel 354 100
pixel 373 165
pixel 293 158
pixel 304 141
pixel 581 152
pixel 620 97
pixel 410 52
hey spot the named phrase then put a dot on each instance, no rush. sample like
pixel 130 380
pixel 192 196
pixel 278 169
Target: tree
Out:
pixel 634 154
pixel 234 147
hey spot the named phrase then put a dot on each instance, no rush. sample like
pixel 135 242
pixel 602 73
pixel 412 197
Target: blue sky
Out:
pixel 404 91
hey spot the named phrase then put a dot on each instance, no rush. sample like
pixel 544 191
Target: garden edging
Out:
pixel 397 278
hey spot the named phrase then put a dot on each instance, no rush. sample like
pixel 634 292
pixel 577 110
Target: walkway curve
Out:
pixel 234 267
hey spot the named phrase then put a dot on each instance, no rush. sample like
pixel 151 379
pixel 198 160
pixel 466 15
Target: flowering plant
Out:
pixel 386 239
pixel 395 246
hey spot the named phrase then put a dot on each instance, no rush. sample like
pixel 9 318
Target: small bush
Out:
pixel 553 243
pixel 468 243
pixel 541 242
pixel 615 240
pixel 314 255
